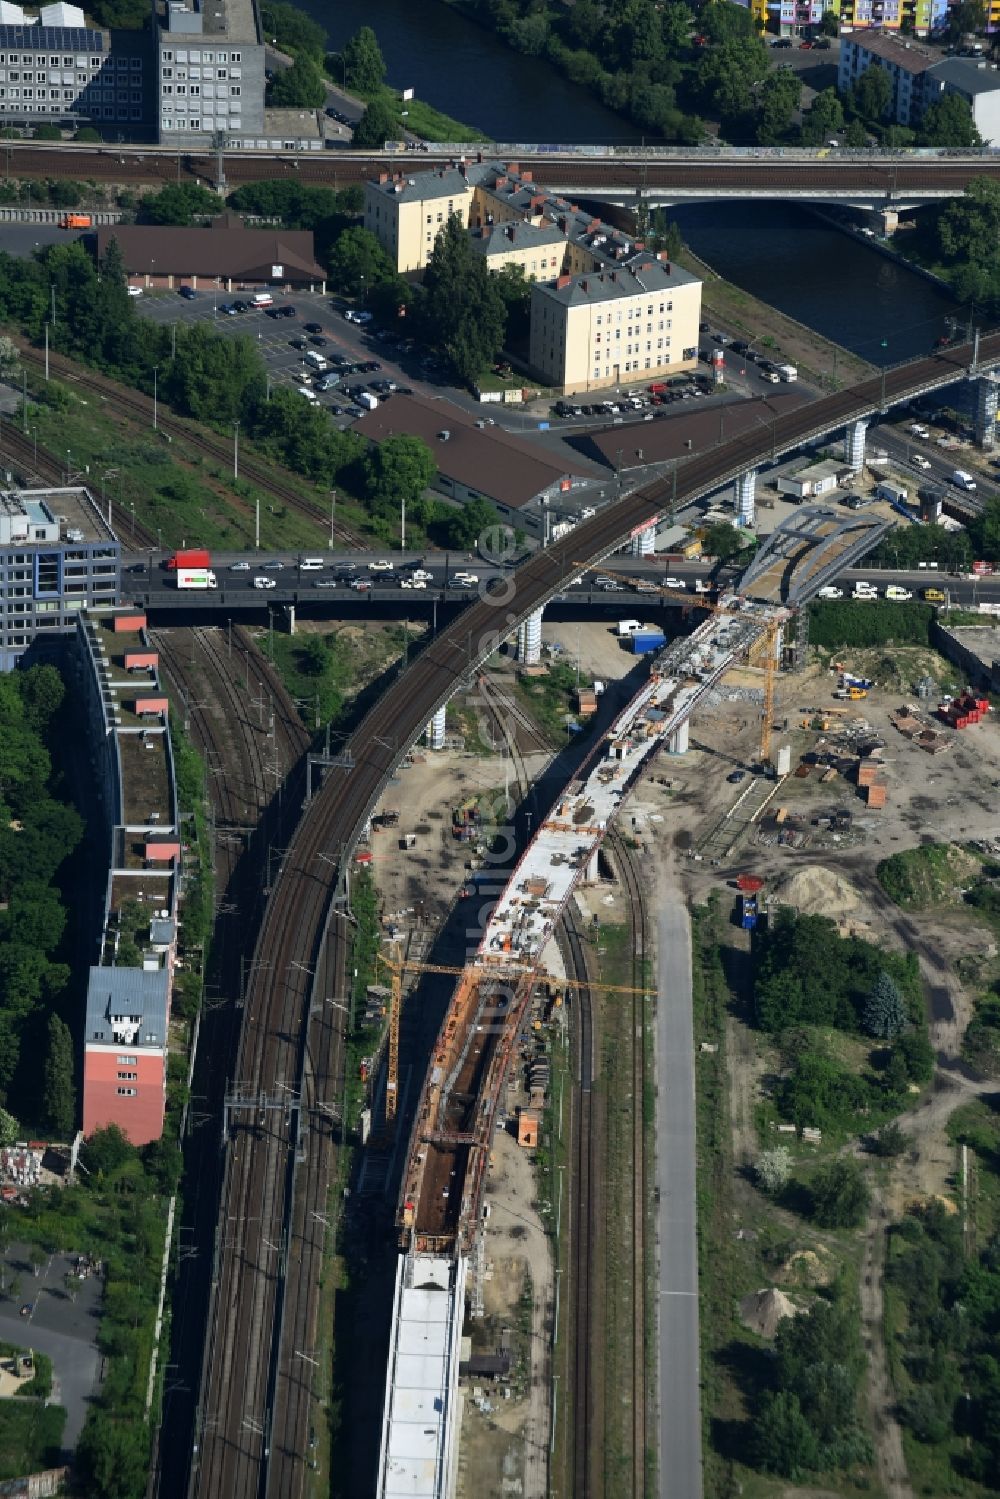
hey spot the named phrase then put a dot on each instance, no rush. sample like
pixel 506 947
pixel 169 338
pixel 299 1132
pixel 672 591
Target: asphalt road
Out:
pixel 679 1360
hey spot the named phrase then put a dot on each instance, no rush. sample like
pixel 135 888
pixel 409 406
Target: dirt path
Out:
pixel 886 1430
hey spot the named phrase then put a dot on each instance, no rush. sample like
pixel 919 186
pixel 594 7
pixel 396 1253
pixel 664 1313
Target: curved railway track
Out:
pixel 140 408
pixel 237 1413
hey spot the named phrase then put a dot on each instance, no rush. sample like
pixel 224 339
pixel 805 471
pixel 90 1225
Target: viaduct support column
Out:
pixel 746 489
pixel 529 640
pixel 643 544
pixel 435 730
pixel 854 446
pixel 290 611
pixel 677 744
pixel 986 413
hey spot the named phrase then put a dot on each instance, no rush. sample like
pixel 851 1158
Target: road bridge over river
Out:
pixel 317 863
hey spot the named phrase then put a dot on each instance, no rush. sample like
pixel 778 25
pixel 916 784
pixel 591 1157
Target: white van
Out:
pixel 312 565
pixel 831 593
pixel 315 361
pixel 963 479
pixel 628 627
pixel 310 395
pixel 262 299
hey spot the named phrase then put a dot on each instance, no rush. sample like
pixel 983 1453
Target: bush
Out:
pixel 840 1195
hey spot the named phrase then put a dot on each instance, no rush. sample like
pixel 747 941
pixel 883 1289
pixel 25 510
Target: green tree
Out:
pixel 58 1087
pixel 48 133
pixel 967 18
pixel 917 1053
pixel 830 23
pixel 721 21
pixel 889 1142
pixel 9 1128
pixel 463 309
pixel 462 525
pixel 948 122
pixel 291 28
pixel 783 1440
pixel 106 1151
pixel 824 118
pixel 885 1010
pixel 778 99
pixel 398 469
pixel 723 541
pixel 727 75
pixel 179 203
pixel 872 95
pixel 379 123
pixel 300 86
pixel 363 62
pixel 840 1195
pixel 358 262
pixel 112 1457
pixel 856 135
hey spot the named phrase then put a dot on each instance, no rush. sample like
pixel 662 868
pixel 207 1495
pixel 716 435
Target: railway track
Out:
pixel 584 1447
pixel 140 407
pixel 701 174
pixel 246 727
pixel 631 879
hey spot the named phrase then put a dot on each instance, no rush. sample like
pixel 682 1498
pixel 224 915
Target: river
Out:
pixel 827 280
pixel 463 69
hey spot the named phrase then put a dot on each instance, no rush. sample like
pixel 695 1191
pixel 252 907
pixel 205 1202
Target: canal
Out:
pixel 778 251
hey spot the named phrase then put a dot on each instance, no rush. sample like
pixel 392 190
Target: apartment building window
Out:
pixel 127 1092
pixel 127 1061
pixel 234 57
pixel 222 73
pixel 234 92
pixel 128 1077
pixel 166 72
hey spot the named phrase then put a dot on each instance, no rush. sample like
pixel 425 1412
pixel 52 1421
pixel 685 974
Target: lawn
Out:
pixel 30 1437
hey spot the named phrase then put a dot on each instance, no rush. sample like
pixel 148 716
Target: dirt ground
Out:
pixel 504 1450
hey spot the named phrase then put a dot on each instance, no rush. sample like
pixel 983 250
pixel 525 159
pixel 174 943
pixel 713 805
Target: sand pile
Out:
pixel 762 1311
pixel 815 891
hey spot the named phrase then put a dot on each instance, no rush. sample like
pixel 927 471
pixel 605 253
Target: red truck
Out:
pixel 195 557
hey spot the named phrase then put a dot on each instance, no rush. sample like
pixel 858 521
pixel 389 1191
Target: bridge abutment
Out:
pixel 529 639
pixel 435 730
pixel 854 445
pixel 985 424
pixel 746 490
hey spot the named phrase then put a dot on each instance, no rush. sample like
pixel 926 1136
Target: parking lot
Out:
pixel 39 1312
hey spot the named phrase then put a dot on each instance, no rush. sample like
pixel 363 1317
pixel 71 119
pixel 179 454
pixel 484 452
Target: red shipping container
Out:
pixel 749 882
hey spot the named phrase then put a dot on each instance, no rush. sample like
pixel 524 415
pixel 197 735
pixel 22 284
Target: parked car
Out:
pixel 919 461
pixel 735 776
pixel 318 340
pixel 314 327
pixel 188 293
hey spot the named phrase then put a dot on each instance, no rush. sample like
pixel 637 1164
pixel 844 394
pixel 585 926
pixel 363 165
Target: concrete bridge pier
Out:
pixel 435 731
pixel 854 445
pixel 590 874
pixel 746 489
pixel 529 640
pixel 644 542
pixel 678 743
pixel 985 424
pixel 289 610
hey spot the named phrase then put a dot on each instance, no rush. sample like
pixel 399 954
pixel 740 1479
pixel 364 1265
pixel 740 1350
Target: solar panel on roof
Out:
pixel 52 38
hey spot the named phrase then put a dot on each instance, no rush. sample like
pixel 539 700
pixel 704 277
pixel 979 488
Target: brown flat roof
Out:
pixel 501 467
pixel 659 441
pixel 225 249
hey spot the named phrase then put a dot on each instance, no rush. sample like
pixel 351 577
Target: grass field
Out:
pixel 30 1437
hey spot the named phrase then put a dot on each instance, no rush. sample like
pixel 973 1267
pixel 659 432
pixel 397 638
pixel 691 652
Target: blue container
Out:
pixel 647 641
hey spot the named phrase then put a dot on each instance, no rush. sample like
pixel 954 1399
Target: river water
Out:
pixel 827 280
pixel 777 251
pixel 463 69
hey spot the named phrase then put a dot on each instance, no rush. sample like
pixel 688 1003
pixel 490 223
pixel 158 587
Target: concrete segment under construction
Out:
pixel 440 1211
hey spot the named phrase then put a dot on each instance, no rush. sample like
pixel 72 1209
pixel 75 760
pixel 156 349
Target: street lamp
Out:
pixel 155 413
pixel 236 462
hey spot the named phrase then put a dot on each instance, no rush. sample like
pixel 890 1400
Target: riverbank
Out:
pixel 882 247
pixel 819 360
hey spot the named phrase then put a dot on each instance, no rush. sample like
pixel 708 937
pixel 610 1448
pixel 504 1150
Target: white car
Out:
pixel 239 567
pixel 771 377
pixel 917 429
pixel 412 583
pixel 675 583
pixel 350 316
pixel 831 593
pixel 466 580
pixel 900 595
pixel 421 575
pixel 135 291
pixel 381 566
pixel 919 461
pixel 260 582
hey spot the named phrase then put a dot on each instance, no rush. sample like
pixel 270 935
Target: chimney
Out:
pixel 512 169
pixel 564 281
pixel 537 202
pixel 500 182
pixel 594 224
pixel 527 176
pixel 383 177
pixel 584 285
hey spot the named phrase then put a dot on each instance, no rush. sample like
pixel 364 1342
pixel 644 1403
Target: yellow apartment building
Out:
pixel 622 326
pixel 406 214
pixel 539 249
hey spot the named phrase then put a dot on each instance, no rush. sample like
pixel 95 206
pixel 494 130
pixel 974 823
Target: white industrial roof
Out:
pixel 419 1429
pixel 62 14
